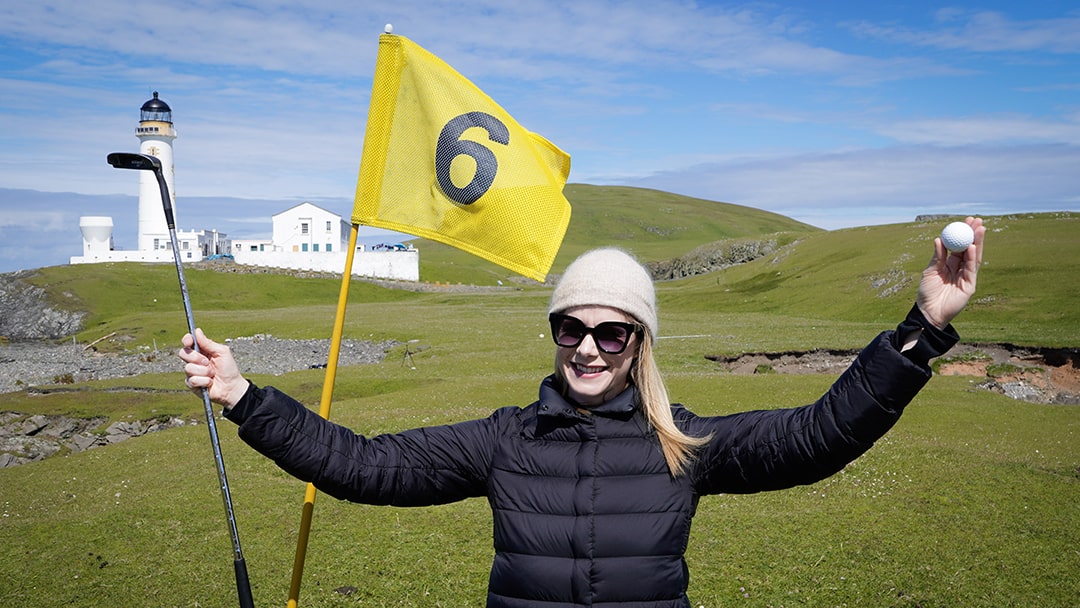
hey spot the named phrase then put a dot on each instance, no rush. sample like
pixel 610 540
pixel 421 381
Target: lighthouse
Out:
pixel 156 134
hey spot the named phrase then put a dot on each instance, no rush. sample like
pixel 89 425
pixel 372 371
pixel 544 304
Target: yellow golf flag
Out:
pixel 445 162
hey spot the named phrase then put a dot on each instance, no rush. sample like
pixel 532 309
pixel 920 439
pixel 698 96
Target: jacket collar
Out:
pixel 552 403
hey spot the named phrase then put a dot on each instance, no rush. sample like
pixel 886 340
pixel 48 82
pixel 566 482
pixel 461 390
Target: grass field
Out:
pixel 972 500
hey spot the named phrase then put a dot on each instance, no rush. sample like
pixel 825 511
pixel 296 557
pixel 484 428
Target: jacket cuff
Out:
pixel 251 400
pixel 931 341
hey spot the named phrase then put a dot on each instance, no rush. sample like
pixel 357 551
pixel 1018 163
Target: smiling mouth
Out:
pixel 585 369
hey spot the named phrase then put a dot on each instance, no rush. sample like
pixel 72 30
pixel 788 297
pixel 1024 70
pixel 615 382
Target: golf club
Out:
pixel 142 162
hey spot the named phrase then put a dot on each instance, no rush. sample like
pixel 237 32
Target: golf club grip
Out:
pixel 166 200
pixel 243 587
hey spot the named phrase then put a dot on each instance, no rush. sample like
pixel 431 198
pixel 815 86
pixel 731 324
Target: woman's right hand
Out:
pixel 212 367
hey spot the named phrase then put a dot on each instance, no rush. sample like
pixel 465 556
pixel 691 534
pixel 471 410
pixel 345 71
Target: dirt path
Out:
pixel 1038 375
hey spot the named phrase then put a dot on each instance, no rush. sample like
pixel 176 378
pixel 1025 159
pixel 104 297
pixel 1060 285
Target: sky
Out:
pixel 835 113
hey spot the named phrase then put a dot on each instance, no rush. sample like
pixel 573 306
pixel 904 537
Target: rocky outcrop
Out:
pixel 26 438
pixel 712 257
pixel 25 313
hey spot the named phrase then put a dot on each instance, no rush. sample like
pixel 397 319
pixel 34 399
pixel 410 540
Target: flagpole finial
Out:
pixel 389 28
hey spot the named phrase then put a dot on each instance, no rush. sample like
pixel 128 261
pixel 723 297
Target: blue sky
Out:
pixel 834 113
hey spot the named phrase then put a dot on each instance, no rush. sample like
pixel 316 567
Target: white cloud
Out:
pixel 41 220
pixel 888 185
pixel 984 130
pixel 528 41
pixel 984 31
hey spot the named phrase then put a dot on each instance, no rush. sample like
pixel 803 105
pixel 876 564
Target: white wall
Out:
pixel 162 255
pixel 187 241
pixel 398 265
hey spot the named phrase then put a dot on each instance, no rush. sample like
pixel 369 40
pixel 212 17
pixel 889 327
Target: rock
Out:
pixel 60 428
pixel 34 425
pixel 28 449
pixel 26 314
pixel 81 443
pixel 161 425
pixel 9 460
pixel 1022 391
pixel 126 429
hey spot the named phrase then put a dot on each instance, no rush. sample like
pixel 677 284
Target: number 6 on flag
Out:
pixel 451 146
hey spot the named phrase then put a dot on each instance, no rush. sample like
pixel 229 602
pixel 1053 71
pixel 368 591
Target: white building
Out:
pixel 305 237
pixel 308 237
pixel 156 134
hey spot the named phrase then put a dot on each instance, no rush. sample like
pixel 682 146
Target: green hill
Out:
pixel 1026 294
pixel 655 225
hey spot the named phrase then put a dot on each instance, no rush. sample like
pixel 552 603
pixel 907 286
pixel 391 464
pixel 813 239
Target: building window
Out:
pixel 328 249
pixel 303 227
pixel 254 248
pixel 315 247
pixel 303 247
pixel 329 225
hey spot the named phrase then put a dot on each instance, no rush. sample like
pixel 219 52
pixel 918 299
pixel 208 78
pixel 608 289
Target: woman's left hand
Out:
pixel 949 281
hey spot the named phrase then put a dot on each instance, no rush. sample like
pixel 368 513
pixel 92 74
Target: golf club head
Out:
pixel 144 162
pixel 130 160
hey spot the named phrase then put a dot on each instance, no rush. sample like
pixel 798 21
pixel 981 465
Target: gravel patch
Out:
pixel 28 364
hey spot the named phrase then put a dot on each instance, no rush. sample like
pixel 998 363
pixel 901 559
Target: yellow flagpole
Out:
pixel 324 411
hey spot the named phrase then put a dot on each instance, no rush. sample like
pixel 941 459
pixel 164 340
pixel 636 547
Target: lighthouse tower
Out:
pixel 156 134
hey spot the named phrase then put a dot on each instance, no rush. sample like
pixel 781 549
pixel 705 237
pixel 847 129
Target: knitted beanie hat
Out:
pixel 608 277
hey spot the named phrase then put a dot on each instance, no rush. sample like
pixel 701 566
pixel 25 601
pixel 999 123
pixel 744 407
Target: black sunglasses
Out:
pixel 610 337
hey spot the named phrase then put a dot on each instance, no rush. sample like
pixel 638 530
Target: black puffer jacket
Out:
pixel 585 511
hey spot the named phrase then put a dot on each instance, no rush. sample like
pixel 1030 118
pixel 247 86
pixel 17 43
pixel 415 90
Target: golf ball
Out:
pixel 957 236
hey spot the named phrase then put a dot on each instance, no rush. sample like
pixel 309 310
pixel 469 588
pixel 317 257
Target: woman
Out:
pixel 593 486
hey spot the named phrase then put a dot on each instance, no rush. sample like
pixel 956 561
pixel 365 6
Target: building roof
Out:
pixel 156 109
pixel 305 203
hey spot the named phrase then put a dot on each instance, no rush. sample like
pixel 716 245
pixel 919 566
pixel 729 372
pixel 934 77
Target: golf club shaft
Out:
pixel 243 586
pixel 143 162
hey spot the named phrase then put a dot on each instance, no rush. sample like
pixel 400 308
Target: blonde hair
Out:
pixel 678 447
